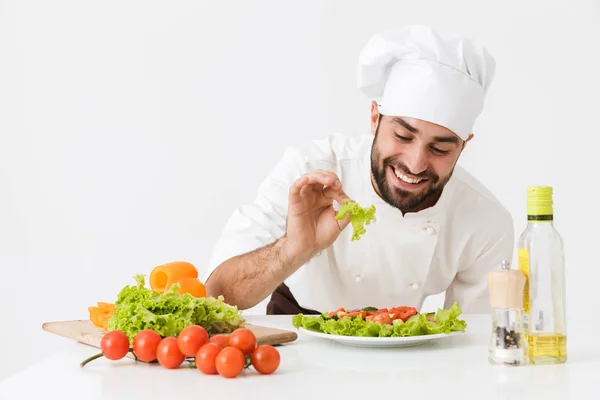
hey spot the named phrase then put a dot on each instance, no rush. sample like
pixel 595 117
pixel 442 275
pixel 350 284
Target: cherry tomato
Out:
pixel 206 357
pixel 243 339
pixel 265 359
pixel 168 353
pixel 114 345
pixel 230 362
pixel 191 338
pixel 221 340
pixel 145 344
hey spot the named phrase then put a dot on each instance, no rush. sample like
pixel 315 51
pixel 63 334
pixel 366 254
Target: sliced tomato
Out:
pixel 382 318
pixel 403 313
pixel 356 314
pixel 383 310
pixel 339 312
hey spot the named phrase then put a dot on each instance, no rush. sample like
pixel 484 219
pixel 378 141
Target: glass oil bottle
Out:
pixel 541 259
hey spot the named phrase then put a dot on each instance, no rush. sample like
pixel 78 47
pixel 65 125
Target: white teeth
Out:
pixel 406 178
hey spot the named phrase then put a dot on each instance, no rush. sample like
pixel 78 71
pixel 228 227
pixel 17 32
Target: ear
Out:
pixel 468 140
pixel 374 117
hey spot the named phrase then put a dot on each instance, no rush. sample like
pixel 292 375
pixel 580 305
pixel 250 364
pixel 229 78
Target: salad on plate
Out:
pixel 399 321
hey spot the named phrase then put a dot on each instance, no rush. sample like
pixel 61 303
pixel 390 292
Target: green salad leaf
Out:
pixel 139 308
pixel 445 321
pixel 359 217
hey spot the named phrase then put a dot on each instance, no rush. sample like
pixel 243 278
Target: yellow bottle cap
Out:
pixel 539 200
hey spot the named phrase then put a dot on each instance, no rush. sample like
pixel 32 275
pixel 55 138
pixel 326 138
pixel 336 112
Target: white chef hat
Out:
pixel 417 72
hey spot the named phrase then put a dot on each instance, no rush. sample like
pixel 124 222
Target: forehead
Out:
pixel 420 127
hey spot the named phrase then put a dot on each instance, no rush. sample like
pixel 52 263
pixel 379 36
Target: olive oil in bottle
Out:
pixel 541 260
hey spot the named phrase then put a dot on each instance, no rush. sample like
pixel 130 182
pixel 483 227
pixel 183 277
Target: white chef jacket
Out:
pixel 400 260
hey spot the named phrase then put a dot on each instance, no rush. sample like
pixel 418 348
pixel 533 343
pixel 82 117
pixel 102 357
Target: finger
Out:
pixel 314 181
pixel 322 177
pixel 335 192
pixel 343 223
pixel 305 190
pixel 341 198
pixel 298 185
pixel 330 174
pixel 311 182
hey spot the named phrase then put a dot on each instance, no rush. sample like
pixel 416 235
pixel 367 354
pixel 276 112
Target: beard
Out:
pixel 404 200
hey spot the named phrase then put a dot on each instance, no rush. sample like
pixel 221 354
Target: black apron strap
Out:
pixel 283 303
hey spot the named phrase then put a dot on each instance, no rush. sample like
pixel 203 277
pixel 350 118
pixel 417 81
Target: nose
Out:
pixel 416 160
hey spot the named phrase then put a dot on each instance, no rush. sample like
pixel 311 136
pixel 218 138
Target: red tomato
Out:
pixel 356 314
pixel 221 340
pixel 403 312
pixel 230 362
pixel 191 338
pixel 145 344
pixel 114 345
pixel 382 318
pixel 206 358
pixel 243 339
pixel 265 359
pixel 338 312
pixel 168 353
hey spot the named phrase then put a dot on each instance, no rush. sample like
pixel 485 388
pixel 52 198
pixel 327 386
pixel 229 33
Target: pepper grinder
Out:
pixel 508 343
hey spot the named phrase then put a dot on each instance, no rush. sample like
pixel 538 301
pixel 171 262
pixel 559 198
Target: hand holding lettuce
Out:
pixel 444 321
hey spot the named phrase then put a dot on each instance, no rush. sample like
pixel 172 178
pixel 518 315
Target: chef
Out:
pixel 437 228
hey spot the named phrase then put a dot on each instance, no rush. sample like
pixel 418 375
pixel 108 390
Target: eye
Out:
pixel 403 138
pixel 440 152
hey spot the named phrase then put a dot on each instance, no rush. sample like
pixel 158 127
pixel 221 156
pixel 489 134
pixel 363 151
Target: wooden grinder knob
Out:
pixel 506 287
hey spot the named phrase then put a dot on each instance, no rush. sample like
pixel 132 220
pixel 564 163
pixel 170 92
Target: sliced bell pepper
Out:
pixel 164 276
pixel 100 314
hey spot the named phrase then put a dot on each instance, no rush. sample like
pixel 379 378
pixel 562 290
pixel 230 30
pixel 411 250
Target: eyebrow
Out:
pixel 410 128
pixel 405 124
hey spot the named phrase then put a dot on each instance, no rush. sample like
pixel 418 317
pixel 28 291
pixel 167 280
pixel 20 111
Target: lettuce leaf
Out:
pixel 359 217
pixel 446 321
pixel 139 308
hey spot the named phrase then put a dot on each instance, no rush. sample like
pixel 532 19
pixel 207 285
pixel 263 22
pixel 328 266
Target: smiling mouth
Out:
pixel 407 179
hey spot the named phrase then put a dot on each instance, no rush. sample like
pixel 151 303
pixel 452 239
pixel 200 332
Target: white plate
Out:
pixel 359 341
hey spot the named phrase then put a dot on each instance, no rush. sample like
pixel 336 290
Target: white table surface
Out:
pixel 313 368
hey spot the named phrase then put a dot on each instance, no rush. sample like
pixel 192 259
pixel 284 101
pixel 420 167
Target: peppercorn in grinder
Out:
pixel 508 343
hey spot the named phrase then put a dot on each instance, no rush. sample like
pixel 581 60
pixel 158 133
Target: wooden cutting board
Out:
pixel 84 331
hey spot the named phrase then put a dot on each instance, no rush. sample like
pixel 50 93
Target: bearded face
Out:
pixel 412 160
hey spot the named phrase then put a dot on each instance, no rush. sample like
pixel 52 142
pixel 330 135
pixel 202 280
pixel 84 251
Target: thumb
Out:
pixel 341 198
pixel 343 223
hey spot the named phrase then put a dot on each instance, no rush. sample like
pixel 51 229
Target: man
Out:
pixel 437 228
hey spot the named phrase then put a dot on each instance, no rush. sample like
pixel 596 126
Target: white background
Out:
pixel 130 130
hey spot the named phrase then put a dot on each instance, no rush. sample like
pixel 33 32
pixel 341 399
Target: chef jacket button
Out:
pixel 414 285
pixel 430 230
pixel 357 278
